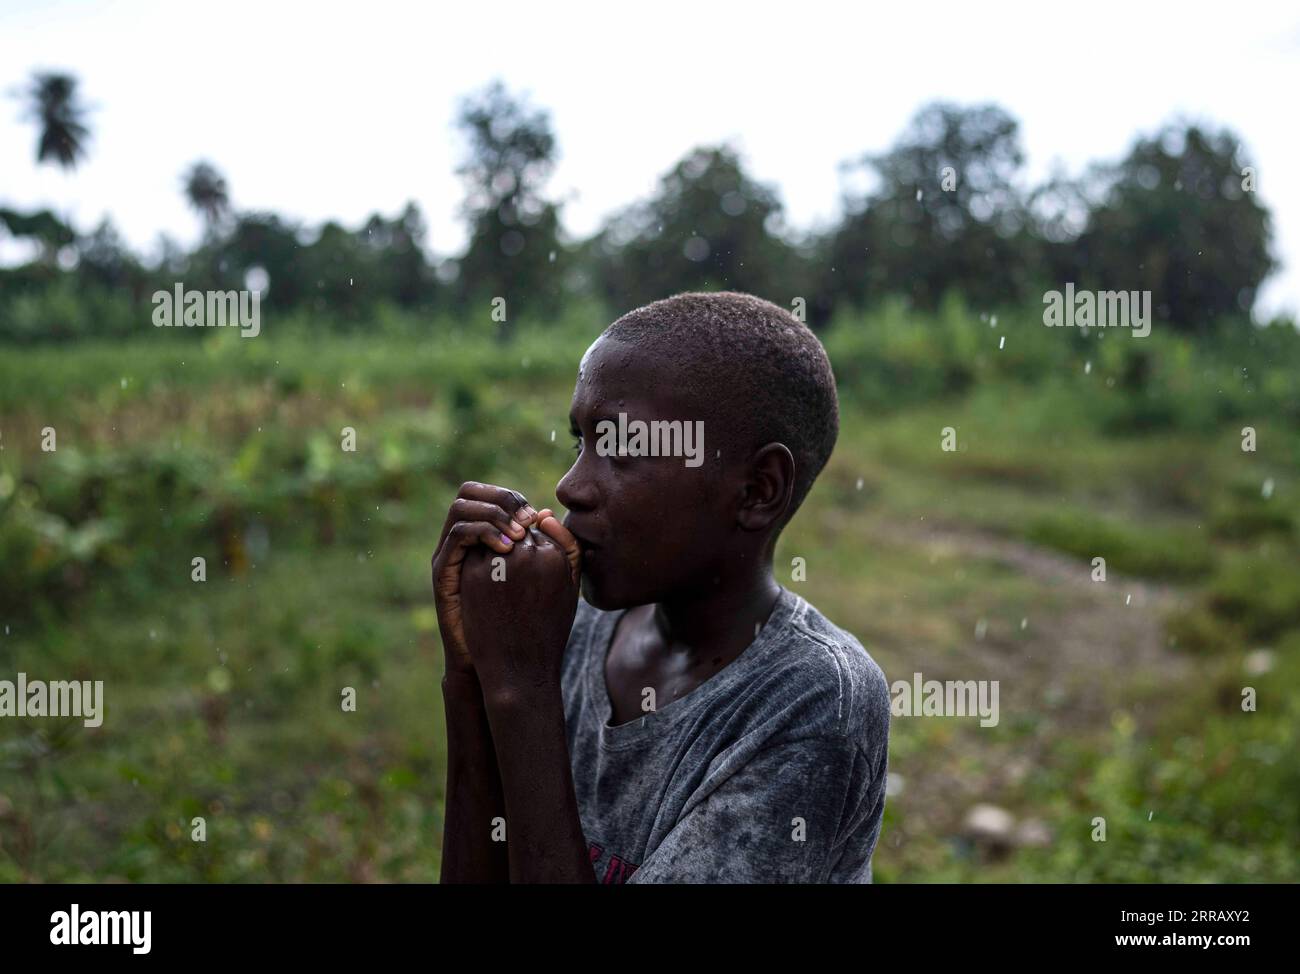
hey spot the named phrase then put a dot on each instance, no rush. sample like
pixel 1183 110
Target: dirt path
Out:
pixel 1118 622
pixel 1064 675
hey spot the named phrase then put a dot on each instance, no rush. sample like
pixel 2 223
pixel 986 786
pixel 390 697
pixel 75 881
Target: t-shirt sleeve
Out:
pixel 779 818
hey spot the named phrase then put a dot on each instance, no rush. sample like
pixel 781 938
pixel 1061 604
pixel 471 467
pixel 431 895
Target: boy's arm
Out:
pixel 474 799
pixel 546 840
pixel 482 514
pixel 517 628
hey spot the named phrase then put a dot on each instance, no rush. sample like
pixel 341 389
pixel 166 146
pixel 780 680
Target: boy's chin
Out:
pixel 602 596
pixel 594 597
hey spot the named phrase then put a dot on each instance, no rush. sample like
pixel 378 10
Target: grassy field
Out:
pixel 1119 699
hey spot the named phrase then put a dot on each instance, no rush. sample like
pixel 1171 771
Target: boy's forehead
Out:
pixel 607 354
pixel 620 370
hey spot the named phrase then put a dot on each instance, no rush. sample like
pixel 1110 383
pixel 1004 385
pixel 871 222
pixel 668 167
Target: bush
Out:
pixel 1149 552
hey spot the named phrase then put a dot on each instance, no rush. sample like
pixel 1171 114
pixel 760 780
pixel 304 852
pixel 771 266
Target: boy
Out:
pixel 691 720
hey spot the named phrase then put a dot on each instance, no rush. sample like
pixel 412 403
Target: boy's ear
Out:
pixel 769 488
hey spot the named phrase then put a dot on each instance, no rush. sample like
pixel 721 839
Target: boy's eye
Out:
pixel 577 443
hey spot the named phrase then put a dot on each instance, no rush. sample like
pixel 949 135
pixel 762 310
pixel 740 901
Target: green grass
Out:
pixel 1120 699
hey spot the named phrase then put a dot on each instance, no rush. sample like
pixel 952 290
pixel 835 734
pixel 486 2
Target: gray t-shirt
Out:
pixel 771 771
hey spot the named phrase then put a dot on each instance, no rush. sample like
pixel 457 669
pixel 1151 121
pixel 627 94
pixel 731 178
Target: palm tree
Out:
pixel 54 105
pixel 207 192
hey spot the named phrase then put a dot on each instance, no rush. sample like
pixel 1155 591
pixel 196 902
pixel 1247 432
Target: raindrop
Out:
pixel 1267 489
pixel 1002 342
pixel 257 279
pixel 696 249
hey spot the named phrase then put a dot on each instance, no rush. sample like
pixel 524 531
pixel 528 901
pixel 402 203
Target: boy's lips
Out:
pixel 585 543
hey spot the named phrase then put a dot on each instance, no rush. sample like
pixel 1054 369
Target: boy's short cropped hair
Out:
pixel 755 364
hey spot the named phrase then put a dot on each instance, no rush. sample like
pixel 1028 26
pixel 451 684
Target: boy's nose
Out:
pixel 574 491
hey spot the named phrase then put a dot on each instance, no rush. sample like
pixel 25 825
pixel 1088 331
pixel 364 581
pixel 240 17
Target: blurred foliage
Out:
pixel 709 226
pixel 514 231
pixel 946 215
pixel 945 211
pixel 1177 217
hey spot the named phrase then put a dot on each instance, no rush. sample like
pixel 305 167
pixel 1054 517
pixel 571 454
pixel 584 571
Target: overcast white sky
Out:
pixel 319 110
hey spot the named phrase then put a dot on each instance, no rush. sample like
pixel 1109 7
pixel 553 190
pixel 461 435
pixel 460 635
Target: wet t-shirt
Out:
pixel 771 771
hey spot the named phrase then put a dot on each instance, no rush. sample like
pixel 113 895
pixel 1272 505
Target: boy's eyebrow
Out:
pixel 601 417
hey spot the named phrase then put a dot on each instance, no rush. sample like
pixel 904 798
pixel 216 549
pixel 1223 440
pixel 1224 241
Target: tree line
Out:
pixel 946 210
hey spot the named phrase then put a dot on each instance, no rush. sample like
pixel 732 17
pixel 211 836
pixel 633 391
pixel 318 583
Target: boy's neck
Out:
pixel 723 621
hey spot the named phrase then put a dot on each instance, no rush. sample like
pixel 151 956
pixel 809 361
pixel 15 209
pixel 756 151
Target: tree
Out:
pixel 263 240
pixel 945 214
pixel 514 230
pixel 397 247
pixel 54 105
pixel 352 272
pixel 104 259
pixel 709 226
pixel 1178 217
pixel 49 232
pixel 208 194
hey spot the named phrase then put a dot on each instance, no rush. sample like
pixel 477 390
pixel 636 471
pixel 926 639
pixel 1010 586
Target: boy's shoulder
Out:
pixel 836 688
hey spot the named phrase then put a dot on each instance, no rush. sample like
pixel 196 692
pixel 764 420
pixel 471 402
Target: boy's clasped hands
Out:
pixel 505 582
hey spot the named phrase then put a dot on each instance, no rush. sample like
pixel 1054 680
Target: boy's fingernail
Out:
pixel 506 539
pixel 516 527
pixel 527 513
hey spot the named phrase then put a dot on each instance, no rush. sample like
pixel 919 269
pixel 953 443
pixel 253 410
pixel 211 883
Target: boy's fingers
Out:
pixel 525 514
pixel 511 502
pixel 463 536
pixel 516 504
pixel 552 527
pixel 470 510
